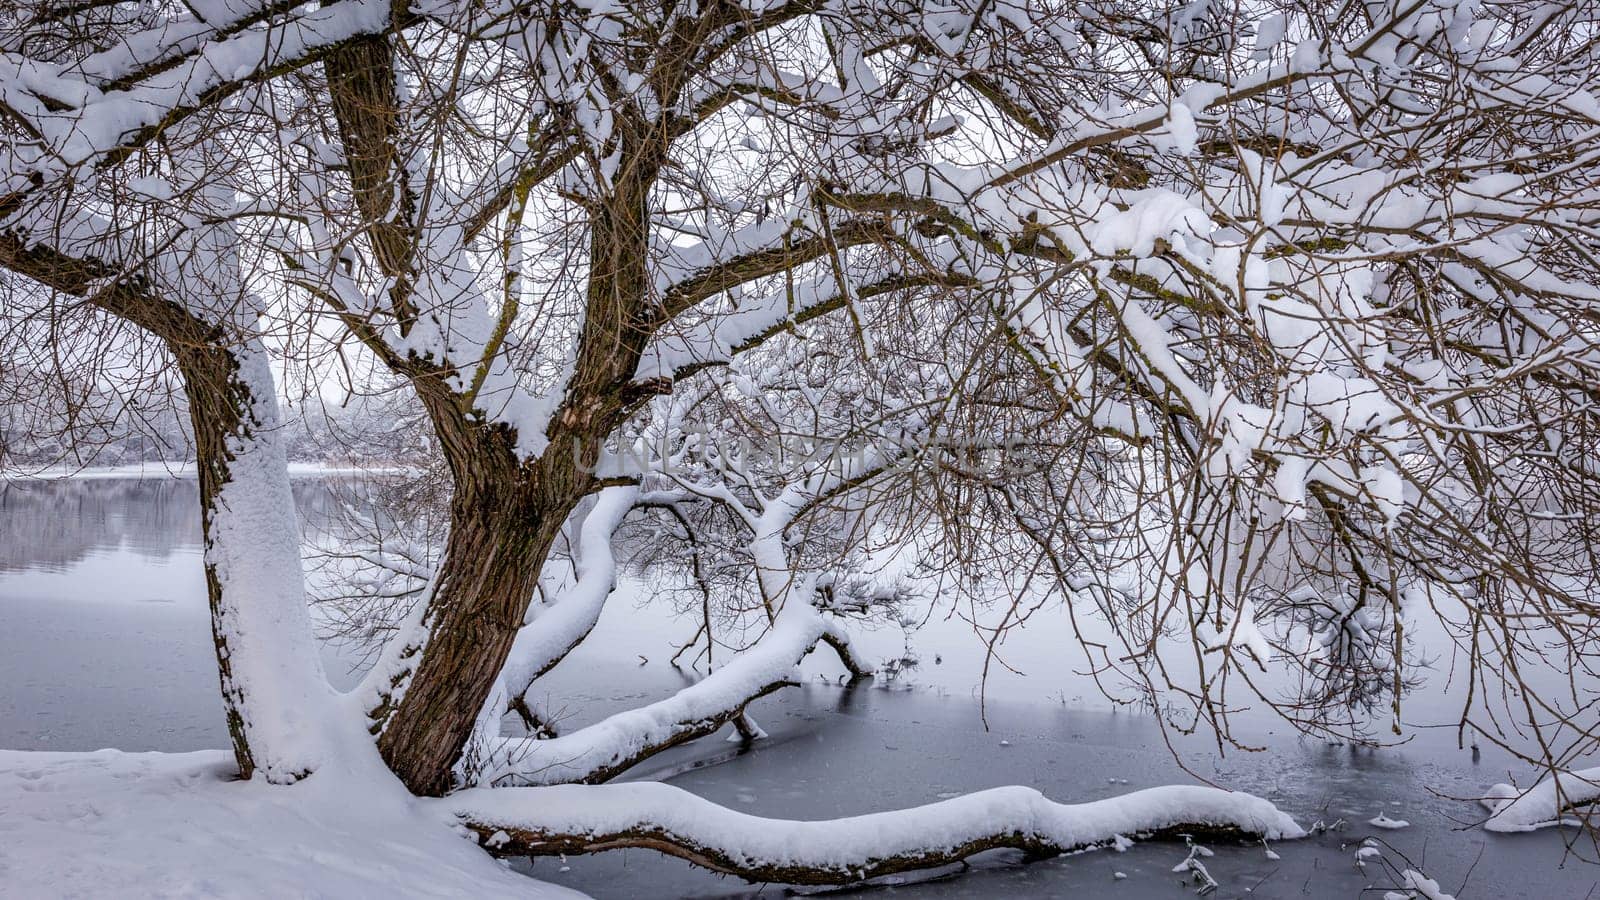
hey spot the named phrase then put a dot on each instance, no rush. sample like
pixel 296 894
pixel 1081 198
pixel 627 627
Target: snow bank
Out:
pixel 112 824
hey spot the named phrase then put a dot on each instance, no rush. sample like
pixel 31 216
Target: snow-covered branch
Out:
pixel 601 751
pixel 715 338
pixel 689 275
pixel 98 110
pixel 604 750
pixel 573 819
pixel 1548 803
pixel 554 630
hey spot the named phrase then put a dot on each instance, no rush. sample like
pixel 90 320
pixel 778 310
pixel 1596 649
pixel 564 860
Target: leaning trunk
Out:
pixel 487 577
pixel 504 518
pixel 274 692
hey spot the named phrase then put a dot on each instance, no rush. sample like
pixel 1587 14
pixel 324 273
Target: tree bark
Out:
pixel 485 582
pixel 504 519
pixel 275 693
pixel 506 512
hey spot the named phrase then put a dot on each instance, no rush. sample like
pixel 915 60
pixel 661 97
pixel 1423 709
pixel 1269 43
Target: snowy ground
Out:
pixel 112 824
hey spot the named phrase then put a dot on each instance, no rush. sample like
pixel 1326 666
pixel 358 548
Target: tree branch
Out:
pixel 571 819
pixel 606 749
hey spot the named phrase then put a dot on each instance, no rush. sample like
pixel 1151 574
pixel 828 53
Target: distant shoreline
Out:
pixel 153 470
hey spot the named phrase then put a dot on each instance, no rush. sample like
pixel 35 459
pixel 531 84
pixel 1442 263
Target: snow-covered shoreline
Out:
pixel 181 825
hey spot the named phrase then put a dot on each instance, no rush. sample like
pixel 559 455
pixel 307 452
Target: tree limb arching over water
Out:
pixel 1260 333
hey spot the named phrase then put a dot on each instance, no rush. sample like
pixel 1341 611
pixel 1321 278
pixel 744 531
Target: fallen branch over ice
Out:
pixel 1544 804
pixel 578 819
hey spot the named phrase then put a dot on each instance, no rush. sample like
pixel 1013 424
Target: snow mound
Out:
pixel 113 824
pixel 1543 805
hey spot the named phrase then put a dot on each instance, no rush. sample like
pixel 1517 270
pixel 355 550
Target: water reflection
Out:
pixel 104 632
pixel 52 525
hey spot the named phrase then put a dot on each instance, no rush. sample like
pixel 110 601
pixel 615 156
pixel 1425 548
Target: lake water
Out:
pixel 104 642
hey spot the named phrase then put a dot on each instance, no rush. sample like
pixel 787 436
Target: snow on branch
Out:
pixel 139 54
pixel 687 275
pixel 751 81
pixel 1543 805
pixel 77 120
pixel 556 629
pixel 603 750
pixel 684 348
pixel 574 819
pixel 1311 61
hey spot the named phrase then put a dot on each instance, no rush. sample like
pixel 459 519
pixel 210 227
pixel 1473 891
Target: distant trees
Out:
pixel 59 405
pixel 1257 329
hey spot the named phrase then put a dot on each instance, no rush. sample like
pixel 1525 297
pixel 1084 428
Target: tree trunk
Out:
pixel 481 593
pixel 504 518
pixel 275 694
pixel 505 513
pixel 278 703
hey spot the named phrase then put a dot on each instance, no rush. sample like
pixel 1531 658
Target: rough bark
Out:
pixel 274 690
pixel 503 523
pixel 505 517
pixel 506 511
pixel 361 85
pixel 482 590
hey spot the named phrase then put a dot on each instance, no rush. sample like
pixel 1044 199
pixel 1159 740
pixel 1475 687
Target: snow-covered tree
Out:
pixel 1265 326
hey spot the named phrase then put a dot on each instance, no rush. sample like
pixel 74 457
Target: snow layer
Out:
pixel 112 824
pixel 556 629
pixel 1543 805
pixel 96 122
pixel 772 661
pixel 272 674
pixel 855 841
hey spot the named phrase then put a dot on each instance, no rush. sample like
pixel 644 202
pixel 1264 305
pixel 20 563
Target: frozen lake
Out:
pixel 105 643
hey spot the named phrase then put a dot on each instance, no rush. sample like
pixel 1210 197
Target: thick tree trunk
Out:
pixel 505 516
pixel 504 519
pixel 491 563
pixel 506 512
pixel 275 694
